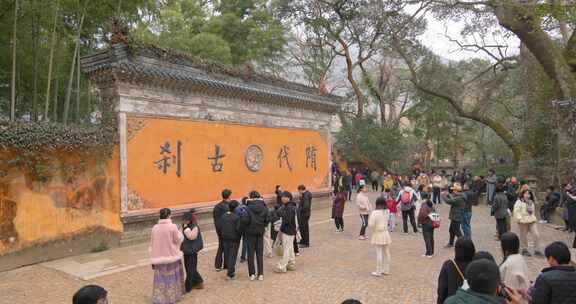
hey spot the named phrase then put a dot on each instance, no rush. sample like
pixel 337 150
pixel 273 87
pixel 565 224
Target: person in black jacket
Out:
pixel 452 274
pixel 557 283
pixel 457 204
pixel 220 209
pixel 304 212
pixel 230 232
pixel 552 201
pixel 288 231
pixel 255 223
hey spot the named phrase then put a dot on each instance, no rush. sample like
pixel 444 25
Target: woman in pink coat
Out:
pixel 166 259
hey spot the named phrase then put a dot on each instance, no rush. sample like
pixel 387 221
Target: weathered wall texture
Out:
pixel 76 196
pixel 176 162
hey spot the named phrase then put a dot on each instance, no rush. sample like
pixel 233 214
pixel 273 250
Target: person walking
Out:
pixel 364 208
pixel 393 208
pixel 230 229
pixel 457 204
pixel 374 176
pixel 288 231
pixel 220 209
pixel 407 200
pixel 452 273
pixel 347 182
pixel 242 211
pixel 191 245
pixel 491 181
pixel 467 213
pixel 427 228
pixel 338 210
pixel 525 216
pixel 166 260
pixel 304 213
pixel 499 210
pixel 557 283
pixel 255 222
pixel 513 270
pixel 436 187
pixel 381 239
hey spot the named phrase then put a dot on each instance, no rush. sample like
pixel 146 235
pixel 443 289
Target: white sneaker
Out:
pixel 429 256
pixel 376 274
pixel 252 278
pixel 260 278
pixel 543 221
pixel 297 253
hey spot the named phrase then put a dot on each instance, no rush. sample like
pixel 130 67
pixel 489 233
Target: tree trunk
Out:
pixel 524 22
pixel 50 61
pixel 56 87
pixel 13 84
pixel 73 66
pixel 35 35
pixel 350 76
pixel 77 115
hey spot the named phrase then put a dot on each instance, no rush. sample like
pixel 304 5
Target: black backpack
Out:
pixel 192 246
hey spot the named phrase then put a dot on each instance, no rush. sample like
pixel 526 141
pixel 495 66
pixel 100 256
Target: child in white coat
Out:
pixel 381 239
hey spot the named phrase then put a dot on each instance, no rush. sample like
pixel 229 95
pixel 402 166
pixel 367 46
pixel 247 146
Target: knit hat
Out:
pixel 483 276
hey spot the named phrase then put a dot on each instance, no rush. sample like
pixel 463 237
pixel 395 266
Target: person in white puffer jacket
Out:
pixel 525 216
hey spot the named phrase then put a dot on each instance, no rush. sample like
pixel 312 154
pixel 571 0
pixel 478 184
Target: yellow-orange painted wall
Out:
pixel 198 183
pixel 34 212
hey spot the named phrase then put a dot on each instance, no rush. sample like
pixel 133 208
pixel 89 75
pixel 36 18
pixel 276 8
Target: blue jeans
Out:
pixel 466 229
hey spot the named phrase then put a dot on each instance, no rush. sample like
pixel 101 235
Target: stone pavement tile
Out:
pixel 335 268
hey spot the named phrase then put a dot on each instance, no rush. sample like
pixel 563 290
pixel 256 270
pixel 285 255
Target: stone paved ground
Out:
pixel 336 267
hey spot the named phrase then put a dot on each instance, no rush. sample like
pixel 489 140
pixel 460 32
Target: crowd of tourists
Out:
pixel 251 230
pixel 471 277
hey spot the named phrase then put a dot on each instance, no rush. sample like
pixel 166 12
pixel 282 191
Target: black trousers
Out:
pixel 436 195
pixel 375 186
pixel 364 219
pixel 455 231
pixel 501 226
pixel 339 223
pixel 255 247
pixel 230 254
pixel 193 278
pixel 219 262
pixel 295 245
pixel 303 221
pixel 349 191
pixel 428 233
pixel 409 214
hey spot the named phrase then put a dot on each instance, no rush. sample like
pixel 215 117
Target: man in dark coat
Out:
pixel 457 204
pixel 500 209
pixel 557 283
pixel 219 210
pixel 255 222
pixel 304 212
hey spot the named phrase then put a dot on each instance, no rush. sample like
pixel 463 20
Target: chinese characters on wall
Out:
pixel 169 158
pixel 254 157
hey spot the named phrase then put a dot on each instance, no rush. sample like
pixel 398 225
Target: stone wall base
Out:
pixel 138 225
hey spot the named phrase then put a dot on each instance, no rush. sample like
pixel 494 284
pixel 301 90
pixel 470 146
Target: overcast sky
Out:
pixel 435 39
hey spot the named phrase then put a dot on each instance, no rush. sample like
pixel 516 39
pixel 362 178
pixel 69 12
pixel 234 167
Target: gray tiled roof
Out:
pixel 150 62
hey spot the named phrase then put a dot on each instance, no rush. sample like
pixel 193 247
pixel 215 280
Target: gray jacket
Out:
pixel 500 206
pixel 457 204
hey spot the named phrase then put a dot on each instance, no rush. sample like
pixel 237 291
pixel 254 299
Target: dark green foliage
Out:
pixel 380 145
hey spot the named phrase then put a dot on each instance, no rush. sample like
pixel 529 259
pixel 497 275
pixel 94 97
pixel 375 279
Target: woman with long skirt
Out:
pixel 166 259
